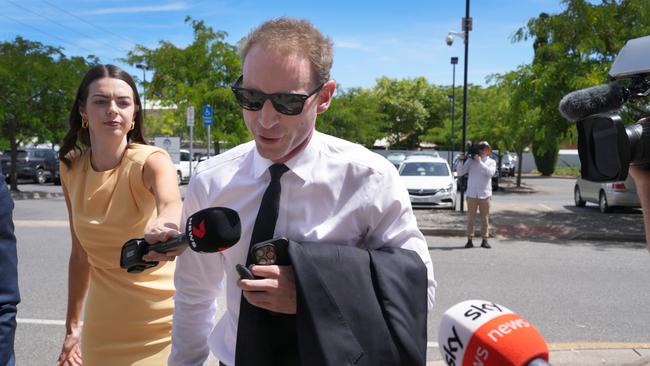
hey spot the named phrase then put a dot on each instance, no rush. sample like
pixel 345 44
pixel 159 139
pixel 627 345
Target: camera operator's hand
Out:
pixel 477 158
pixel 641 175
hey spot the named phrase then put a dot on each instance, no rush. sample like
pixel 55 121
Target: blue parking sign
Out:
pixel 207 115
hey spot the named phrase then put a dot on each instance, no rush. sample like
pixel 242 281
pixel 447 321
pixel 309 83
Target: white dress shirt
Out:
pixel 479 180
pixel 335 192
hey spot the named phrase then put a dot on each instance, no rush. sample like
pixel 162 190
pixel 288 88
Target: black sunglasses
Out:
pixel 286 103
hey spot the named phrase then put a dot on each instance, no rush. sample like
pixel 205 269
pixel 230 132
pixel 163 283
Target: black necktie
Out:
pixel 254 341
pixel 267 216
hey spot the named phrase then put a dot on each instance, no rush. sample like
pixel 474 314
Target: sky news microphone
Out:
pixel 477 332
pixel 210 230
pixel 598 99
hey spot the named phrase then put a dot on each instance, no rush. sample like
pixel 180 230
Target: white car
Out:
pixel 606 195
pixel 429 181
pixel 183 167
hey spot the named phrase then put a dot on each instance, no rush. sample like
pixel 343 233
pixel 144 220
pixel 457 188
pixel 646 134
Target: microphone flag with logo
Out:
pixel 477 332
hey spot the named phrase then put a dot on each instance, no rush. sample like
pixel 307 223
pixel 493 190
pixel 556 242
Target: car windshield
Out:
pixel 425 169
pixel 396 158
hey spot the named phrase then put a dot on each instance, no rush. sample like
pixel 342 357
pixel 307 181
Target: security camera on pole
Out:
pixel 207 122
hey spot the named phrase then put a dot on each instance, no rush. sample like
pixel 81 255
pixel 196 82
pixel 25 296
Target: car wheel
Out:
pixel 40 178
pixel 577 198
pixel 602 203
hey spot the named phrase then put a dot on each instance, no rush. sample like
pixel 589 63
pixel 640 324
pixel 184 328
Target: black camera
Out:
pixel 606 146
pixel 131 256
pixel 472 150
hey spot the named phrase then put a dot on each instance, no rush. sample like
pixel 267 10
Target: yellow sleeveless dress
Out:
pixel 127 317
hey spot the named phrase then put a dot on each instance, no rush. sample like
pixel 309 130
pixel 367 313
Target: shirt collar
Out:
pixel 301 165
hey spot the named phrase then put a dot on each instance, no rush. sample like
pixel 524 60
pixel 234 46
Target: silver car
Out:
pixel 429 181
pixel 606 195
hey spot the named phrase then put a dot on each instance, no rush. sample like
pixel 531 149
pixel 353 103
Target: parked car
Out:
pixel 497 172
pixel 396 158
pixel 183 167
pixel 38 164
pixel 508 165
pixel 429 181
pixel 606 195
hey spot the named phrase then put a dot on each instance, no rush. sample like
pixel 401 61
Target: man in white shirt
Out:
pixel 480 170
pixel 334 191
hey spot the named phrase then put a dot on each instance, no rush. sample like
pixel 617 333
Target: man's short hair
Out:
pixel 293 36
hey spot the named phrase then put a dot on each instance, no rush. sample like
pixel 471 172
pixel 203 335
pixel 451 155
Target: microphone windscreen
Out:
pixel 598 99
pixel 482 332
pixel 213 229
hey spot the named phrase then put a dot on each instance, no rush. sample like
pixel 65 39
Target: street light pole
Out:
pixel 454 62
pixel 144 89
pixel 467 26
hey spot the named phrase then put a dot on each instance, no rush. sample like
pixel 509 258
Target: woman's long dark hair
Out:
pixel 77 137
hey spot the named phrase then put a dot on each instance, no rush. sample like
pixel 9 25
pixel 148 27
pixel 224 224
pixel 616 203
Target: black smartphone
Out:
pixel 244 272
pixel 273 251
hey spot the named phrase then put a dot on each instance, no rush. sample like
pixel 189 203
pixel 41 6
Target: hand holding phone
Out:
pixel 270 252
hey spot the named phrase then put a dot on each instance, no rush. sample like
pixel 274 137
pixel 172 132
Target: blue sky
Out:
pixel 398 39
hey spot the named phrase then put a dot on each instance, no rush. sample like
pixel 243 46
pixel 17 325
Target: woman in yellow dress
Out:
pixel 116 188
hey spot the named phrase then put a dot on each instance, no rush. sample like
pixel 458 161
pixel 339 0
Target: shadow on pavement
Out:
pixel 567 228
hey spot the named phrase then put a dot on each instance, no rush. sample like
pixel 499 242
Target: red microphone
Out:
pixel 477 332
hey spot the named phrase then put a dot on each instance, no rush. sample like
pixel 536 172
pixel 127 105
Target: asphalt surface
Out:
pixel 515 216
pixel 533 212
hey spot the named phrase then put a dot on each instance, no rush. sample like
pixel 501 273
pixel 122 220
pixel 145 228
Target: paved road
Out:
pixel 573 291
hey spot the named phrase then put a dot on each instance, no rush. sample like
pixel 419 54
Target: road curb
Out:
pixel 34 195
pixel 582 236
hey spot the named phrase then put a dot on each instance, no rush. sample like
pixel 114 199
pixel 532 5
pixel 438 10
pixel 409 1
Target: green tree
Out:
pixel 196 75
pixel 38 87
pixel 574 49
pixel 412 107
pixel 354 115
pixel 485 112
pixel 520 117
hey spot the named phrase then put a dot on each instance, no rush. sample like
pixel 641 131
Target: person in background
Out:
pixel 641 175
pixel 9 294
pixel 479 169
pixel 116 188
pixel 332 192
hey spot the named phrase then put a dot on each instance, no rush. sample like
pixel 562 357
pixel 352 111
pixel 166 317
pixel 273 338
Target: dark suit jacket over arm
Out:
pixel 360 307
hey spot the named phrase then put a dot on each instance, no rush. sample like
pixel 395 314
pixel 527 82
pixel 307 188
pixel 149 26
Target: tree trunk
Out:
pixel 520 158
